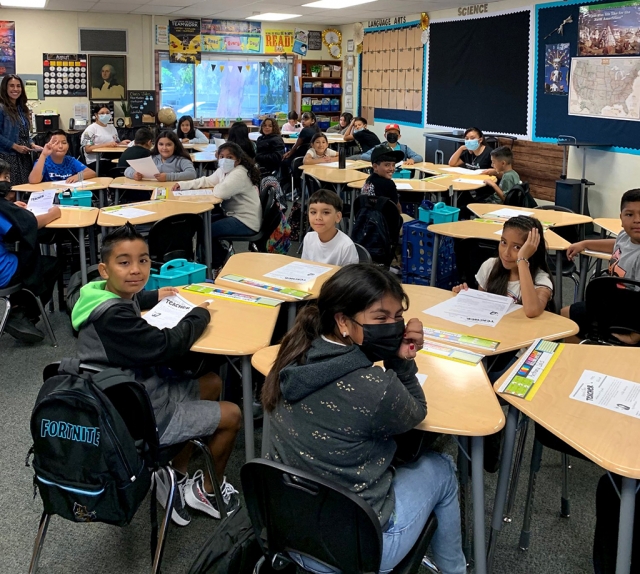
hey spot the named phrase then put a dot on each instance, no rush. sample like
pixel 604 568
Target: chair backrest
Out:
pixel 569 232
pixel 173 237
pixel 296 511
pixel 613 305
pixel 271 217
pixel 470 255
pixel 117 172
pixel 363 254
pixel 519 196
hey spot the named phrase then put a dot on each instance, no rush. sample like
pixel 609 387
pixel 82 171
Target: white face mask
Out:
pixel 104 118
pixel 226 164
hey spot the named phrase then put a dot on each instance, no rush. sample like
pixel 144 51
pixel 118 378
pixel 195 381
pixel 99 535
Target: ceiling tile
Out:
pixel 152 10
pixel 178 3
pixel 70 5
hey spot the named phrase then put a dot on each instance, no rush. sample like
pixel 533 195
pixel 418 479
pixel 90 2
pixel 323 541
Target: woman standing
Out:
pixel 269 146
pixel 15 143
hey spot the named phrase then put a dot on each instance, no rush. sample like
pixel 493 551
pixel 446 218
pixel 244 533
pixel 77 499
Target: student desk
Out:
pixel 482 230
pixel 607 438
pixel 79 218
pixel 145 185
pixel 460 402
pixel 514 331
pixel 199 147
pixel 100 150
pixel 608 224
pixel 237 329
pixel 202 158
pixel 99 184
pixel 350 164
pixel 162 209
pixel 550 217
pixel 256 265
pixel 331 139
pixel 455 186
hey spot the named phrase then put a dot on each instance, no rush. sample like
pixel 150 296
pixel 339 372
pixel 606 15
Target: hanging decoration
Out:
pixel 560 29
pixel 332 39
pixel 240 69
pixel 221 68
pixel 358 33
pixel 213 67
pixel 424 26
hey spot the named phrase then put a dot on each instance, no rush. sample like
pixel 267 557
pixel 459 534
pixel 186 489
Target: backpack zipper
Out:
pixel 69 488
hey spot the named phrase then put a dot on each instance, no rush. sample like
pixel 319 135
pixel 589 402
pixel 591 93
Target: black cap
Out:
pixel 383 150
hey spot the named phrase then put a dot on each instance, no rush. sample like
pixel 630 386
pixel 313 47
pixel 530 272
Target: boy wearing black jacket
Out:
pixel 112 333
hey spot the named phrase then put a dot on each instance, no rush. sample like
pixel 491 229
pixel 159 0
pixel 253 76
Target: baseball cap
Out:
pixel 383 150
pixel 392 127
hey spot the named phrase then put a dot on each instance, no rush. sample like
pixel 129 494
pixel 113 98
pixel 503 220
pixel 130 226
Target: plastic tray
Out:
pixel 177 272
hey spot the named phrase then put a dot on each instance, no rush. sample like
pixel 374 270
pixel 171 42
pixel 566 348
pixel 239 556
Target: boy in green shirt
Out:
pixel 501 160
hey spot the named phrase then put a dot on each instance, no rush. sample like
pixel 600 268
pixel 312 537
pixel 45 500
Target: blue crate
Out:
pixel 335 107
pixel 316 108
pixel 324 125
pixel 317 91
pixel 325 108
pixel 337 91
pixel 408 208
pixel 417 251
pixel 328 91
pixel 175 273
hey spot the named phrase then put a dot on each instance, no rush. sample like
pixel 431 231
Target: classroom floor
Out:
pixel 557 544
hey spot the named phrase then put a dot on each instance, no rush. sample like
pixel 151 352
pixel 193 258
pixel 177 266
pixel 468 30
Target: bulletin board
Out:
pixel 551 116
pixel 392 74
pixel 478 73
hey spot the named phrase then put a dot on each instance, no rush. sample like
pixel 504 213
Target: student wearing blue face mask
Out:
pixel 474 154
pixel 236 182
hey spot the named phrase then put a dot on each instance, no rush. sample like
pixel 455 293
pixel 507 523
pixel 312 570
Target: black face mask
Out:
pixel 381 341
pixel 392 138
pixel 5 187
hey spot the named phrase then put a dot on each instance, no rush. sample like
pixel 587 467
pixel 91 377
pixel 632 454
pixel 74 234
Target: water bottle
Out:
pixel 342 157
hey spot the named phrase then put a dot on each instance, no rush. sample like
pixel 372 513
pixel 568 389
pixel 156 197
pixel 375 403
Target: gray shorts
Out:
pixel 180 414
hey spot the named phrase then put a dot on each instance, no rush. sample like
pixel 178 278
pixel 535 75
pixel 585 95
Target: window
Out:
pixel 225 87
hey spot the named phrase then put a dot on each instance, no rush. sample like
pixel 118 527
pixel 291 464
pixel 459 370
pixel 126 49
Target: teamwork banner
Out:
pixel 184 41
pixel 7 48
pixel 278 41
pixel 609 29
pixel 231 36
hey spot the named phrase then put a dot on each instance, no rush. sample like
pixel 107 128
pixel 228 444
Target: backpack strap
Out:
pixel 69 366
pixel 109 378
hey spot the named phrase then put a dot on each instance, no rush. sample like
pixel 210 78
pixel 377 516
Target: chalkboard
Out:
pixel 315 40
pixel 143 103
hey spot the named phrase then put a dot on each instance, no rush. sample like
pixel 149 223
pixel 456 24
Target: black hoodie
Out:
pixel 338 416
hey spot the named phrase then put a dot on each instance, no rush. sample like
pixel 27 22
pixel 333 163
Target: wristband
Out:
pixel 522 259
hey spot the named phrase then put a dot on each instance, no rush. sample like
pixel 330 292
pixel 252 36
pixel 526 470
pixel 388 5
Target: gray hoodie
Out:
pixel 338 415
pixel 176 167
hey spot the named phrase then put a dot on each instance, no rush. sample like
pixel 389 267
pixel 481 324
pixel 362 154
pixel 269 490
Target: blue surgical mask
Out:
pixel 226 164
pixel 472 145
pixel 104 118
pixel 356 130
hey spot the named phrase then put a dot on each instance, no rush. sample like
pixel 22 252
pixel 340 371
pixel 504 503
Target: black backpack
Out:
pixel 371 227
pixel 94 439
pixel 519 196
pixel 231 549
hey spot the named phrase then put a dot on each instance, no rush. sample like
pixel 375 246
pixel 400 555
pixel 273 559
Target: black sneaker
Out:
pixel 180 514
pixel 196 496
pixel 20 328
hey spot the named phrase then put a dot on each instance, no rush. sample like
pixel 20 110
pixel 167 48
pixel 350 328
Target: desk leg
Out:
pixel 603 235
pixel 557 296
pixel 208 254
pixel 477 486
pixel 303 193
pixel 465 507
pixel 455 196
pixel 625 530
pixel 99 156
pixel 83 256
pixel 434 260
pixel 354 193
pixel 247 408
pixel 117 197
pixel 584 269
pixel 101 193
pixel 93 257
pixel 292 310
pixel 503 483
pixel 266 429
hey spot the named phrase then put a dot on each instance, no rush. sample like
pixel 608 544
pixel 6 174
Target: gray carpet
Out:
pixel 557 545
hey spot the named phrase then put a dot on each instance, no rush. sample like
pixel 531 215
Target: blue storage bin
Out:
pixel 256 122
pixel 315 108
pixel 325 108
pixel 80 198
pixel 440 213
pixel 324 125
pixel 402 174
pixel 335 108
pixel 175 273
pixel 337 91
pixel 327 91
pixel 307 87
pixel 417 252
pixel 317 91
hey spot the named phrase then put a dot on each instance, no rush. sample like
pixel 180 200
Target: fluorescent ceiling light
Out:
pixel 24 3
pixel 336 4
pixel 271 17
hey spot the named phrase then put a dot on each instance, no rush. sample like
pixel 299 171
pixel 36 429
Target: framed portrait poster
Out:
pixel 107 77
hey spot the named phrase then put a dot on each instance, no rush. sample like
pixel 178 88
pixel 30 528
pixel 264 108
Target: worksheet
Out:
pixel 507 213
pixel 72 185
pixel 298 272
pixel 403 185
pixel 462 170
pixel 185 192
pixel 168 312
pixel 336 164
pixel 472 307
pixel 468 180
pixel 127 212
pixel 40 202
pixel 612 393
pixel 145 167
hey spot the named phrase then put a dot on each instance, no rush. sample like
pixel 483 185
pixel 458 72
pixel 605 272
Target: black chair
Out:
pixel 296 511
pixel 520 196
pixel 6 293
pixel 137 423
pixel 296 176
pixel 363 254
pixel 470 255
pixel 174 237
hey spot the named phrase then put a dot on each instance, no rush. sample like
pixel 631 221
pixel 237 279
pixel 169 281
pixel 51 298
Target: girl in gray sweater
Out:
pixel 335 414
pixel 171 159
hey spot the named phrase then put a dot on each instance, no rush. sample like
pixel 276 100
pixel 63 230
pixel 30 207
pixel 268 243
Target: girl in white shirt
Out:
pixel 236 182
pixel 101 134
pixel 319 152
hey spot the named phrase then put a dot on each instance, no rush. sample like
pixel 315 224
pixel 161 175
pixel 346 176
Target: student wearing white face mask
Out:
pixel 236 182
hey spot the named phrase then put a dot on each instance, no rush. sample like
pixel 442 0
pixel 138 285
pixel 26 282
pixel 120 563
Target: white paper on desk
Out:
pixel 499 232
pixel 70 185
pixel 298 272
pixel 472 307
pixel 253 136
pixel 336 164
pixel 168 312
pixel 612 393
pixel 461 170
pixel 144 166
pixel 128 212
pixel 211 148
pixel 185 192
pixel 507 213
pixel 402 186
pixel 41 202
pixel 468 181
pixel 218 141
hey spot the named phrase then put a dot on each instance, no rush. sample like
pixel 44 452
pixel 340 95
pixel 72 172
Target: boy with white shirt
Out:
pixel 326 244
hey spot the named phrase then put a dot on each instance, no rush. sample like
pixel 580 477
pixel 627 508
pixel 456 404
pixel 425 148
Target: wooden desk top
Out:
pixel 205 147
pixel 436 169
pixel 416 185
pixel 459 396
pixel 255 265
pixel 557 218
pixel 514 331
pixel 607 438
pixel 117 149
pixel 351 164
pixel 333 175
pixel 89 184
pixel 482 230
pixel 236 328
pixel 75 217
pixel 331 138
pixel 160 209
pixel 610 224
pixel 145 185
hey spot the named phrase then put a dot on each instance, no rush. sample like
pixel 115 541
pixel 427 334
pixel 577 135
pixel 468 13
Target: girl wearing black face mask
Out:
pixel 335 413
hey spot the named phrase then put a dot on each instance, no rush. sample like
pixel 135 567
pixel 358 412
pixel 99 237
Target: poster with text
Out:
pixel 7 47
pixel 231 36
pixel 184 41
pixel 65 75
pixel 278 41
pixel 556 69
pixel 315 40
pixel 609 29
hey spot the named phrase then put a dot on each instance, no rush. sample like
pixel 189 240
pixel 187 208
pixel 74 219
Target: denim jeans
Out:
pixel 223 226
pixel 426 485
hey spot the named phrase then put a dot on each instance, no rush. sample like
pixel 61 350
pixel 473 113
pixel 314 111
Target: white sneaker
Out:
pixel 196 496
pixel 180 513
